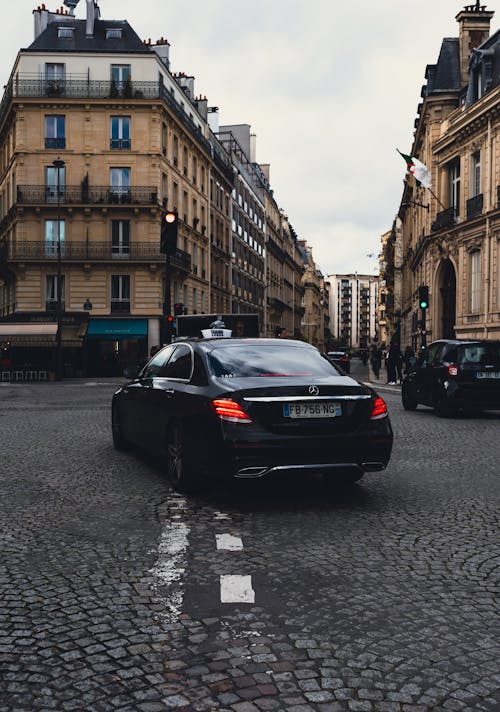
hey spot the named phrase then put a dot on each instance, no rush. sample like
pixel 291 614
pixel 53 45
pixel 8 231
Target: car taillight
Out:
pixel 379 409
pixel 228 409
pixel 452 370
pixel 344 359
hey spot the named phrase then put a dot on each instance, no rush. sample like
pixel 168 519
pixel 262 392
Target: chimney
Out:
pixel 41 17
pixel 201 104
pixel 253 148
pixel 474 29
pixel 187 83
pixel 213 118
pixel 92 15
pixel 266 170
pixel 162 49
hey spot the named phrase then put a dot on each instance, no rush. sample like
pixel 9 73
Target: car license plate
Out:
pixel 488 374
pixel 312 410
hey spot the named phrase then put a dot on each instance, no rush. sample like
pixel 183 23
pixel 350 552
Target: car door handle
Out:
pixel 169 391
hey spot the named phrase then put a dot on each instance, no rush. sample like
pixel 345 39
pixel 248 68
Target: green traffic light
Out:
pixel 423 305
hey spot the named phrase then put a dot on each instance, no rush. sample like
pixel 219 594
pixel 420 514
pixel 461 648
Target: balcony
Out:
pixel 120 306
pixel 444 219
pixel 85 195
pixel 78 86
pixel 31 251
pixel 475 206
pixel 120 144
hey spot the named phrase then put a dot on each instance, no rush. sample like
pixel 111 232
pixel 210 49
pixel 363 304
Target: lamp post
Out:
pixel 58 164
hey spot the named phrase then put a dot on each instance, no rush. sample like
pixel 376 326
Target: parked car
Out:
pixel 250 408
pixel 455 375
pixel 340 358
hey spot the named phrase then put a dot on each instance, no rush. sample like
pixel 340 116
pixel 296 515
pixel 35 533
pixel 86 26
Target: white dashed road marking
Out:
pixel 236 589
pixel 228 542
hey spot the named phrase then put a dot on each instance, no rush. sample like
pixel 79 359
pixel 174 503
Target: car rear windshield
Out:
pixel 268 361
pixel 478 353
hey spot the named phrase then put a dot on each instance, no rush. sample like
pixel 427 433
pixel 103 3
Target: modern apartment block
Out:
pixel 353 309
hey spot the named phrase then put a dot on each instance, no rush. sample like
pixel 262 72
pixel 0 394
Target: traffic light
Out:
pixel 170 330
pixel 423 296
pixel 178 308
pixel 168 236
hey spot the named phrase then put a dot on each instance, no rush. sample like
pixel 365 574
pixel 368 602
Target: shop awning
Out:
pixel 117 329
pixel 38 334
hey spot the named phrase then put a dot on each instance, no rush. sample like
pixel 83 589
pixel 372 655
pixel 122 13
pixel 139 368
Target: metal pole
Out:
pixel 58 164
pixel 167 305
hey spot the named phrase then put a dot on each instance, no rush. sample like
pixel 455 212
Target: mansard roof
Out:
pixel 445 75
pixel 49 41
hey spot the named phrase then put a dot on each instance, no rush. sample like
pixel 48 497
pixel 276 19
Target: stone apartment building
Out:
pixel 451 237
pixel 97 136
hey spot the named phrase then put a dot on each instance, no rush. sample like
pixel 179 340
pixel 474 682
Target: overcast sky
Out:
pixel 329 87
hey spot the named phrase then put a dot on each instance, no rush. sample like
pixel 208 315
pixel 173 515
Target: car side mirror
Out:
pixel 132 372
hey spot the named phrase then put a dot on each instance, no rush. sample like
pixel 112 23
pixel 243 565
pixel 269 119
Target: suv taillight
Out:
pixel 452 370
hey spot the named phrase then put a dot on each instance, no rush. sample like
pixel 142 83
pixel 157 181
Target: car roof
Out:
pixel 215 343
pixel 458 342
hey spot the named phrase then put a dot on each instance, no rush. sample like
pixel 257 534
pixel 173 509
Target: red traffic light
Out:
pixel 170 217
pixel 170 318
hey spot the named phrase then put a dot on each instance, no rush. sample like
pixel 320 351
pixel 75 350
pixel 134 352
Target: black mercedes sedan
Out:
pixel 247 408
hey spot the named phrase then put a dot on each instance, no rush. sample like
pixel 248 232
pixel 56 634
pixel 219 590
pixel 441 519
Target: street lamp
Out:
pixel 58 164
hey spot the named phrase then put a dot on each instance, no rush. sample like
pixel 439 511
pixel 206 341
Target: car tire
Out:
pixel 119 441
pixel 409 403
pixel 180 469
pixel 442 406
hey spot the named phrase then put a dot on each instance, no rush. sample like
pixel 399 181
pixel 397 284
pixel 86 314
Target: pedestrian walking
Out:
pixel 409 359
pixel 375 360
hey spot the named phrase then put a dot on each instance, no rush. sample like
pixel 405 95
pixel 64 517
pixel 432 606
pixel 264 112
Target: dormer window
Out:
pixel 65 33
pixel 114 33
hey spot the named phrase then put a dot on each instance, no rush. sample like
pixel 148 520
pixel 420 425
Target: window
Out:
pixel 120 132
pixel 164 138
pixel 475 174
pixel 55 132
pixel 65 33
pixel 120 81
pixel 51 292
pixel 114 33
pixel 54 232
pixel 180 365
pixel 475 273
pixel 120 238
pixel 454 186
pixel 157 364
pixel 55 76
pixel 120 73
pixel 51 183
pixel 119 185
pixel 120 294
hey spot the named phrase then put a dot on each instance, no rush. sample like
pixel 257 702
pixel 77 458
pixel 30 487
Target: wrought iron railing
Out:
pixel 475 206
pixel 83 194
pixel 444 219
pixel 80 87
pixel 95 251
pixel 120 306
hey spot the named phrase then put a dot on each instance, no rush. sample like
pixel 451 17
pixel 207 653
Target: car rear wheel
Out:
pixel 442 406
pixel 409 403
pixel 119 441
pixel 180 470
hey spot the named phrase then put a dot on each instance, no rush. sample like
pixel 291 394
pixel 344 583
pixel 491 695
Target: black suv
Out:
pixel 340 358
pixel 454 375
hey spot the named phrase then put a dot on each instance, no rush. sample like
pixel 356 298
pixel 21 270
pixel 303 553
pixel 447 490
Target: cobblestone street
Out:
pixel 381 598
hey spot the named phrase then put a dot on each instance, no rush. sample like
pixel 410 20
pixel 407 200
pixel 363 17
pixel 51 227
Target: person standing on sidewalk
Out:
pixel 394 361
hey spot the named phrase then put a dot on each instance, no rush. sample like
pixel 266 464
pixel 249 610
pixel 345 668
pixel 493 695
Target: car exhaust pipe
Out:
pixel 372 466
pixel 249 472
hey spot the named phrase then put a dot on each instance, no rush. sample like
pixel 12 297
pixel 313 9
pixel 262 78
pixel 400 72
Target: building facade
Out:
pixel 353 309
pixel 451 237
